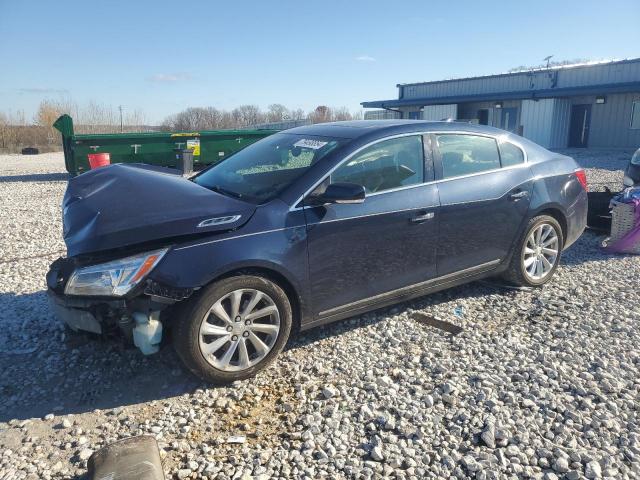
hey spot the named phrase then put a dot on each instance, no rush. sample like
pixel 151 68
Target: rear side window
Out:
pixel 467 154
pixel 393 163
pixel 510 154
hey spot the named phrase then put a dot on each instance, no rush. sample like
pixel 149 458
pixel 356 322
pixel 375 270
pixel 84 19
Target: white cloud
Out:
pixel 170 77
pixel 365 58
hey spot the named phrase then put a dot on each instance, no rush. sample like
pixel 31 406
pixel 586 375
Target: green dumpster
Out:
pixel 155 148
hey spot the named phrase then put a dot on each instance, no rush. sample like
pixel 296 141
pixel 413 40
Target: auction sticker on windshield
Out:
pixel 309 143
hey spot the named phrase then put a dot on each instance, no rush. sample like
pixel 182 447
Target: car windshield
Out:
pixel 259 172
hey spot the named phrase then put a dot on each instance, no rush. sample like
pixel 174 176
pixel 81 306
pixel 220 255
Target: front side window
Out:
pixel 466 154
pixel 510 154
pixel 262 170
pixel 389 164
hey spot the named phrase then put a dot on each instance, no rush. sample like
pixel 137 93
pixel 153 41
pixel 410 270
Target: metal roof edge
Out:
pixel 521 72
pixel 515 95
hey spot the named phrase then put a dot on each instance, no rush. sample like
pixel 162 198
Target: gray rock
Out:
pixel 377 454
pixel 561 465
pixel 329 391
pixel 385 381
pixel 593 470
pixel 85 453
pixel 489 436
pixel 470 463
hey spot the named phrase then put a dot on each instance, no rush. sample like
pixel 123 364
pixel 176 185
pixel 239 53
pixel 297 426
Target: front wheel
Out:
pixel 233 328
pixel 537 253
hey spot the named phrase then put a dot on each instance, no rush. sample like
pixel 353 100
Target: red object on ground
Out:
pixel 97 160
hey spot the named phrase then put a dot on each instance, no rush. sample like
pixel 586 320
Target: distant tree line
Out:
pixel 16 131
pixel 552 63
pixel 211 118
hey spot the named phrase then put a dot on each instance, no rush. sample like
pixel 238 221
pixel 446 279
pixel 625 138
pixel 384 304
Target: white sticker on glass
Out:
pixel 308 143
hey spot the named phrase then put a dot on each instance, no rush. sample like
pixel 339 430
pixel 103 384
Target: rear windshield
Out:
pixel 259 172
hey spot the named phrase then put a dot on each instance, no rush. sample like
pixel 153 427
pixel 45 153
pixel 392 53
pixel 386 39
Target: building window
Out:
pixel 635 115
pixel 467 154
pixel 385 165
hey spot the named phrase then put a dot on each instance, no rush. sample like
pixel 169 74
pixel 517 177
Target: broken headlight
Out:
pixel 114 278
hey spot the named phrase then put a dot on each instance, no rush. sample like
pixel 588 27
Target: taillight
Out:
pixel 582 178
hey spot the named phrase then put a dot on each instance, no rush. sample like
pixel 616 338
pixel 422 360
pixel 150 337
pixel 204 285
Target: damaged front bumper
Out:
pixel 77 314
pixel 138 316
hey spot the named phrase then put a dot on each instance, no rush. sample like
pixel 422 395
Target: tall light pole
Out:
pixel 121 125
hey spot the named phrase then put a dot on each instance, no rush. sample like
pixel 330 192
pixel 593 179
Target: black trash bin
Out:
pixel 184 160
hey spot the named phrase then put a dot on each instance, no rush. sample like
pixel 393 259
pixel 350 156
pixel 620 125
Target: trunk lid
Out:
pixel 121 205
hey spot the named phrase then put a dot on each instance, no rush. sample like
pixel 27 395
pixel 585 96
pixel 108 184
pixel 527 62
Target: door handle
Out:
pixel 518 195
pixel 422 218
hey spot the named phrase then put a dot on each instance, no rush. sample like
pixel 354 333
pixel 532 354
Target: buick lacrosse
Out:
pixel 305 227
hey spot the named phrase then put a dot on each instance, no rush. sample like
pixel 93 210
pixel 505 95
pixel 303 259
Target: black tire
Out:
pixel 516 274
pixel 186 329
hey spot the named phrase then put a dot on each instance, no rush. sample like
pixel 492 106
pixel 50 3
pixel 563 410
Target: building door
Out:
pixel 508 119
pixel 579 126
pixel 483 116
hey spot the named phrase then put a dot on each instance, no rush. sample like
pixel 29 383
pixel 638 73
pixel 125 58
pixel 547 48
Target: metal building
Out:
pixel 594 104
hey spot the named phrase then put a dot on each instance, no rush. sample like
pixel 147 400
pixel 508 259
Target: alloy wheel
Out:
pixel 541 252
pixel 239 330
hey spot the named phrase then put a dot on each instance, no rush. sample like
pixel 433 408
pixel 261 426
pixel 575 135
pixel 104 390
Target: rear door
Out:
pixel 358 251
pixel 484 199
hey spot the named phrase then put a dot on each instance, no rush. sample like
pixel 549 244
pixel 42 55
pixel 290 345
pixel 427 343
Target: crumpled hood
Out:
pixel 121 205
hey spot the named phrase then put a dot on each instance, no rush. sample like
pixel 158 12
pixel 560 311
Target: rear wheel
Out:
pixel 537 253
pixel 233 328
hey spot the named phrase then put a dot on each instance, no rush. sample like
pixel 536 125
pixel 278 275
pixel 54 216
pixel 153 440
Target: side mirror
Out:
pixel 340 192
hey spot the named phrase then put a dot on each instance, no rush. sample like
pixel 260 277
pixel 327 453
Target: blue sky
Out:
pixel 161 56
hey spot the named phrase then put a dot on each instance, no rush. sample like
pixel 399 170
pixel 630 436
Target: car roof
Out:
pixel 379 128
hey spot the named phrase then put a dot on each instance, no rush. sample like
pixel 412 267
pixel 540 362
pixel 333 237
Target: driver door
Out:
pixel 359 251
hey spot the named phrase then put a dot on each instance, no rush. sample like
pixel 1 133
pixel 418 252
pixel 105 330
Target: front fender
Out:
pixel 197 264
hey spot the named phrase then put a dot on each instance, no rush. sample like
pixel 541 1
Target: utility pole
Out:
pixel 121 125
pixel 547 59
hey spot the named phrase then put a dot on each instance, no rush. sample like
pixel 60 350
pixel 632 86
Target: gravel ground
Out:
pixel 538 384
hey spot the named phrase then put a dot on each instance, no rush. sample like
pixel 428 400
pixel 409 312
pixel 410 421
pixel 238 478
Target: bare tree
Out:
pixel 247 115
pixel 47 113
pixel 321 114
pixel 277 113
pixel 298 114
pixel 196 118
pixel 555 63
pixel 341 113
pixel 193 118
pixel 5 131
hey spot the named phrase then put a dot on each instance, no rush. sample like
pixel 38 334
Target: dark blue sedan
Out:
pixel 306 227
